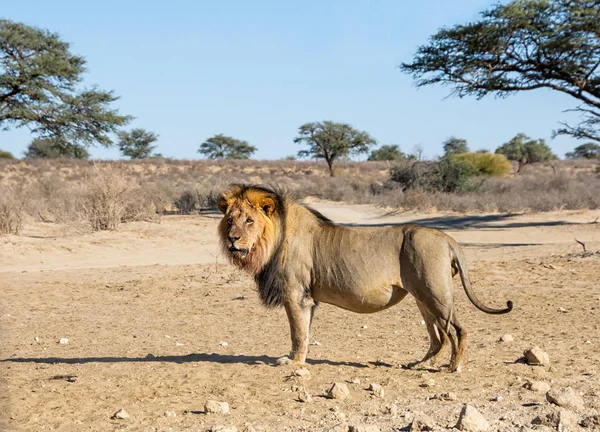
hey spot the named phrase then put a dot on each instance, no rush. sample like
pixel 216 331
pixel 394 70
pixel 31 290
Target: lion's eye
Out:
pixel 249 221
pixel 229 221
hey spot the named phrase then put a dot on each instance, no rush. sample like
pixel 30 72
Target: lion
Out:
pixel 300 258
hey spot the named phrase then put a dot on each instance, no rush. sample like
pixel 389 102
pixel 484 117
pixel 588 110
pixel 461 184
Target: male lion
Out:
pixel 299 257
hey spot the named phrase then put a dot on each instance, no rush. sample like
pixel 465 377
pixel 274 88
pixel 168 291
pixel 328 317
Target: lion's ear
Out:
pixel 222 205
pixel 267 205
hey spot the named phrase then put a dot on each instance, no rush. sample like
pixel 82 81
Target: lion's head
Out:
pixel 251 225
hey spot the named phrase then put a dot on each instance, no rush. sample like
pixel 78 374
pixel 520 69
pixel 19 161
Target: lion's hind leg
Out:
pixel 438 340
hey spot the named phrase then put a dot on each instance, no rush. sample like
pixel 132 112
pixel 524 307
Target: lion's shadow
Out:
pixel 190 358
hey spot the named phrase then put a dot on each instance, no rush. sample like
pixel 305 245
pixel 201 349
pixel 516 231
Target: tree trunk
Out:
pixel 330 165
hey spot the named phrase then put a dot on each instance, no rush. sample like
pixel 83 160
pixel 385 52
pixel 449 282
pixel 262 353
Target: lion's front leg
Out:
pixel 299 314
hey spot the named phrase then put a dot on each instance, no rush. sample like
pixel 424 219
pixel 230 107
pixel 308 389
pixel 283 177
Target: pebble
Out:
pixel 498 398
pixel 338 391
pixel 591 422
pixel 537 356
pixel 537 386
pixel 302 373
pixel 377 390
pixel 472 420
pixel 355 381
pixel 429 383
pixel 304 396
pixel 63 341
pixel 450 396
pixel 120 415
pixel 223 344
pixel 422 422
pixel 37 339
pixel 315 343
pixel 506 338
pixel 215 407
pixel 566 398
pixel 561 310
pixel 221 428
pixel 363 428
pixel 364 327
pixel 171 414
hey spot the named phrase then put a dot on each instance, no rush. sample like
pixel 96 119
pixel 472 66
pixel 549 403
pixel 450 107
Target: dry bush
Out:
pixel 11 212
pixel 486 164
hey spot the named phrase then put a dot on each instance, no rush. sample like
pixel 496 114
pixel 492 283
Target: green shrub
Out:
pixel 453 175
pixel 6 155
pixel 486 163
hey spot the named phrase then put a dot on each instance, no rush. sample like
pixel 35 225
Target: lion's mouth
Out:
pixel 238 252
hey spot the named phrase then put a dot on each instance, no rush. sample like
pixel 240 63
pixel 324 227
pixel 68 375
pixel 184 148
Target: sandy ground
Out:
pixel 157 324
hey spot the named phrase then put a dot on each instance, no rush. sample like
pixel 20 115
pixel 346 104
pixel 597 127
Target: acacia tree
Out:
pixel 40 89
pixel 585 151
pixel 54 148
pixel 387 153
pixel 525 150
pixel 518 46
pixel 225 147
pixel 455 145
pixel 137 144
pixel 330 141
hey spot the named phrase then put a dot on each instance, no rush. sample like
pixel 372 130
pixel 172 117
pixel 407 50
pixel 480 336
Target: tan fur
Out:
pixel 299 258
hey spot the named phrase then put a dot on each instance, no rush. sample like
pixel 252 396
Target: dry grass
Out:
pixel 104 194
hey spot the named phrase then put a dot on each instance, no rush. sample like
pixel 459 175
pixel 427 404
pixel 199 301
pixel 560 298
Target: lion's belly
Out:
pixel 368 298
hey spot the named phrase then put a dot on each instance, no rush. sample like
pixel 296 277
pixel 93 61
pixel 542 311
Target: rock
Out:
pixel 304 396
pixel 450 396
pixel 562 420
pixel 355 381
pixel 537 386
pixel 498 398
pixel 422 322
pixel 363 428
pixel 315 343
pixel 338 391
pixel 302 373
pixel 472 420
pixel 215 407
pixel 364 327
pixel 536 356
pixel 37 339
pixel 422 422
pixel 591 422
pixel 506 338
pixel 566 398
pixel 391 410
pixel 249 428
pixel 171 414
pixel 561 310
pixel 63 341
pixel 377 390
pixel 223 344
pixel 429 383
pixel 120 415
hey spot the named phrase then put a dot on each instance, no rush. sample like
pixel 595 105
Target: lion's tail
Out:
pixel 460 263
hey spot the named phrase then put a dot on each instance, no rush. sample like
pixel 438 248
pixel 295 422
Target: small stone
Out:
pixel 363 428
pixel 537 356
pixel 215 407
pixel 63 341
pixel 178 344
pixel 429 383
pixel 422 322
pixel 450 396
pixel 37 339
pixel 472 420
pixel 537 386
pixel 364 327
pixel 506 338
pixel 120 415
pixel 355 381
pixel 561 310
pixel 249 428
pixel 391 410
pixel 304 396
pixel 302 373
pixel 377 390
pixel 562 420
pixel 315 343
pixel 566 398
pixel 498 398
pixel 171 414
pixel 223 344
pixel 422 422
pixel 591 422
pixel 338 391
pixel 588 341
pixel 221 428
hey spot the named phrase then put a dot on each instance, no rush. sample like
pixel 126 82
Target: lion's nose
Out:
pixel 233 239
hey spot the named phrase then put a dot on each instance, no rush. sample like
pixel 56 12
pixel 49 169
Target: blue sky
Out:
pixel 257 70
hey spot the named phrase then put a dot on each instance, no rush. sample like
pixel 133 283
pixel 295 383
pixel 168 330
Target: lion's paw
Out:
pixel 286 361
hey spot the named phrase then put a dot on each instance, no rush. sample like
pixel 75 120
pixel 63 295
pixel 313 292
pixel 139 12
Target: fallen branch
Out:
pixel 582 245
